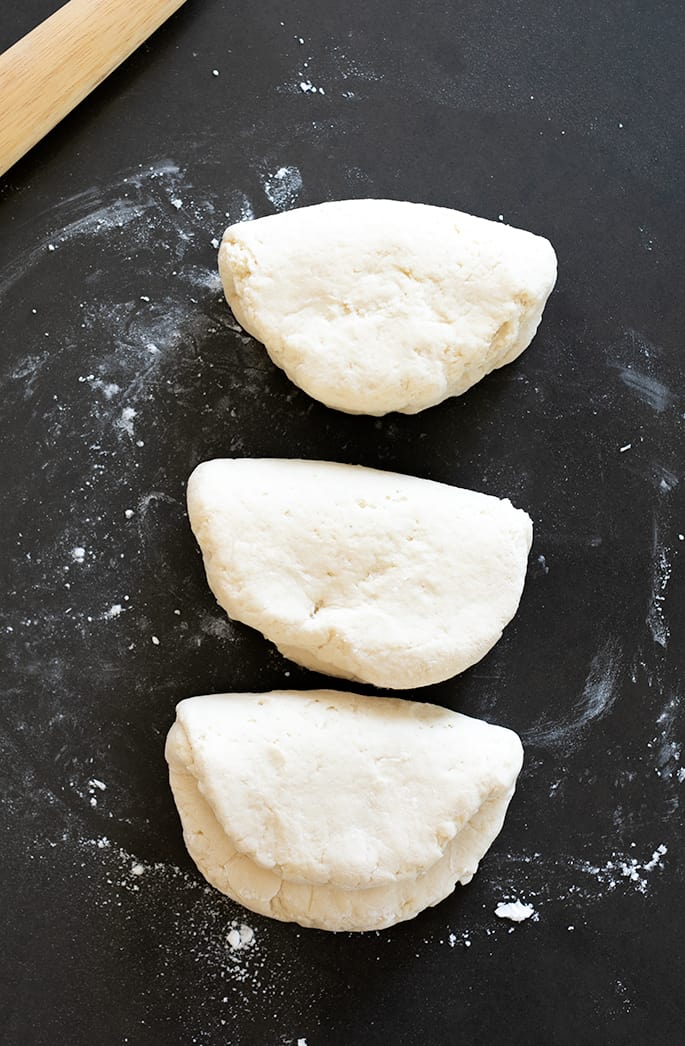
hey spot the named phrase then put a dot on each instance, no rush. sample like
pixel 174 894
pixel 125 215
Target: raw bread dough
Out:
pixel 334 810
pixel 361 574
pixel 377 305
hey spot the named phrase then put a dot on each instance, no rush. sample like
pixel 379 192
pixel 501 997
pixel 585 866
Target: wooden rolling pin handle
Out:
pixel 54 67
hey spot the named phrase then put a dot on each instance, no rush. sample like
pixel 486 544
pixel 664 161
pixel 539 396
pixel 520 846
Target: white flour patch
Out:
pixel 515 911
pixel 283 187
pixel 307 87
pixel 205 279
pixel 239 937
pixel 661 573
pixel 108 389
pixel 125 421
pixel 647 388
pixel 598 696
pixel 667 745
pixel 664 479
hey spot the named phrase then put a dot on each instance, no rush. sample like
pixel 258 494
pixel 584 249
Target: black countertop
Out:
pixel 121 369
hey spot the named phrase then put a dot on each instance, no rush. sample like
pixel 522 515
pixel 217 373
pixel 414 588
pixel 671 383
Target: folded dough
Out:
pixel 334 810
pixel 378 305
pixel 365 575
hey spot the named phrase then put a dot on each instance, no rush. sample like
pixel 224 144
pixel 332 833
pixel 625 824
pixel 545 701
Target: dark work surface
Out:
pixel 565 119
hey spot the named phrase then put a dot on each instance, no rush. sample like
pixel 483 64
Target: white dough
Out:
pixel 376 305
pixel 334 810
pixel 365 575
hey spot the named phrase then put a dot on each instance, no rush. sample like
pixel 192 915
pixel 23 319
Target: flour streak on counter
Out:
pixel 598 696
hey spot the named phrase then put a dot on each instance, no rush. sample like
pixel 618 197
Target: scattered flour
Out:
pixel 307 87
pixel 125 422
pixel 620 869
pixel 599 694
pixel 283 187
pixel 656 618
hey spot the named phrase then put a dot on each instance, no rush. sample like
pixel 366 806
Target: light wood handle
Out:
pixel 52 68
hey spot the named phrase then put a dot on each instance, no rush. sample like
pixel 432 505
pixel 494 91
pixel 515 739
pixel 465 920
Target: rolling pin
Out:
pixel 54 67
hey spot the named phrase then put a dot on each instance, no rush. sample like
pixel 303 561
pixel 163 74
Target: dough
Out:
pixel 377 305
pixel 361 574
pixel 333 810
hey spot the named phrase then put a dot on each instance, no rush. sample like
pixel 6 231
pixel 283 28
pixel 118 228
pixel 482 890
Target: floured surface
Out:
pixel 358 573
pixel 86 692
pixel 112 533
pixel 373 306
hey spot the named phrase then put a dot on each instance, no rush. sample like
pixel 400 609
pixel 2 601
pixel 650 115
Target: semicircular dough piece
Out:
pixel 334 810
pixel 366 575
pixel 378 305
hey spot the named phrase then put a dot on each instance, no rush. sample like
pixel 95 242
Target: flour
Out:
pixel 598 696
pixel 647 388
pixel 125 421
pixel 515 911
pixel 239 937
pixel 199 921
pixel 341 71
pixel 283 187
pixel 619 870
pixel 661 574
pixel 666 745
pixel 108 389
